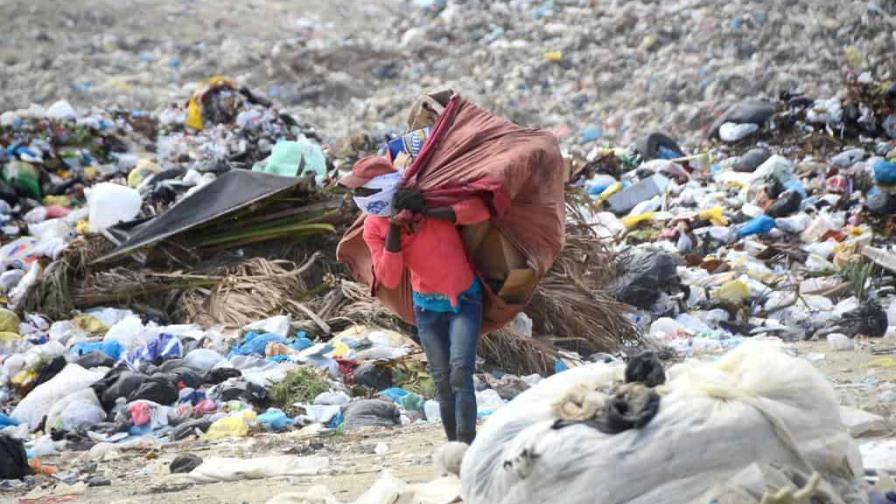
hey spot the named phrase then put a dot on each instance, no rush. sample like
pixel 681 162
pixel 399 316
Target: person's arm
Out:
pixel 393 237
pixel 462 213
pixel 388 263
pixel 441 213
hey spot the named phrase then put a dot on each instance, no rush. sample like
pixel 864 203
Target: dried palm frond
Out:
pixel 124 286
pixel 352 304
pixel 517 353
pixel 570 306
pixel 255 289
pixel 52 294
pixel 579 319
pixel 586 259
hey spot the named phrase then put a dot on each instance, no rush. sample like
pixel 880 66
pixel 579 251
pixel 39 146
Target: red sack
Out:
pixel 518 172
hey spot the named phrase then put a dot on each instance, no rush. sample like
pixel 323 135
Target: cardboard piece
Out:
pixel 499 261
pixel 518 285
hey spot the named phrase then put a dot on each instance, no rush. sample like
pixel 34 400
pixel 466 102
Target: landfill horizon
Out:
pixel 687 267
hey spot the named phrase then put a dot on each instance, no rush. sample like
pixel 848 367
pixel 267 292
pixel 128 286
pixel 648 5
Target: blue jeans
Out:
pixel 450 340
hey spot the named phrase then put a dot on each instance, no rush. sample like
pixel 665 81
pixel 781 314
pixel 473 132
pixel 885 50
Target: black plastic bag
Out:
pixel 13 460
pixel 184 463
pixel 787 203
pixel 752 159
pixel 220 375
pixel 866 320
pixel 186 377
pixel 247 392
pixel 119 382
pixel 372 413
pixel 95 359
pixel 373 376
pixel 158 389
pixel 641 278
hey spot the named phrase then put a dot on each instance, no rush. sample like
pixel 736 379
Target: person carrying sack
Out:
pixel 402 232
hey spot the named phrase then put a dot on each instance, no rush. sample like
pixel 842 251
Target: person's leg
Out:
pixel 432 329
pixel 464 336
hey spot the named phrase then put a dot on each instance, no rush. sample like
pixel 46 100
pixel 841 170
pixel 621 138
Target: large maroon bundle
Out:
pixel 518 172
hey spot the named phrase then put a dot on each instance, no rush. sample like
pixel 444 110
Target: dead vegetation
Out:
pixel 570 310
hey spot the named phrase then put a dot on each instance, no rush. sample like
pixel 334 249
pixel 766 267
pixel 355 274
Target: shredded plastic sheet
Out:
pixel 235 469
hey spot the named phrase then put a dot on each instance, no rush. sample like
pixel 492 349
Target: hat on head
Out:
pixel 366 169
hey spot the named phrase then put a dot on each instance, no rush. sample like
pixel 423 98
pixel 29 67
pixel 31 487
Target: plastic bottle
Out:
pixel 758 226
pixel 432 411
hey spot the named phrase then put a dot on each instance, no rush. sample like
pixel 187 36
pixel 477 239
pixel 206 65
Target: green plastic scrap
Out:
pixel 23 177
pixel 294 158
pixel 411 402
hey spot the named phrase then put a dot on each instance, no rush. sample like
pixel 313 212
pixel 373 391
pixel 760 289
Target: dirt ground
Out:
pixel 141 476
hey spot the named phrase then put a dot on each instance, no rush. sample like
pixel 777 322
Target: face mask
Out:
pixel 380 204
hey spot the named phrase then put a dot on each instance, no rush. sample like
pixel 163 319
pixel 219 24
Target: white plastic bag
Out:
pixel 755 405
pixel 76 411
pixel 36 404
pixel 279 324
pixel 235 469
pixel 112 203
pixel 128 332
pixel 203 359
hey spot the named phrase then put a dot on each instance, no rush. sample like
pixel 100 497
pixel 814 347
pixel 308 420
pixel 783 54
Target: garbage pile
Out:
pixel 172 277
pixel 595 70
pixel 781 229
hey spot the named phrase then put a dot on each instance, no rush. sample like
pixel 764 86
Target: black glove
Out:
pixel 409 199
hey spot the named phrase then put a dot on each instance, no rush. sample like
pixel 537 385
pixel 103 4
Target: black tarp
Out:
pixel 231 191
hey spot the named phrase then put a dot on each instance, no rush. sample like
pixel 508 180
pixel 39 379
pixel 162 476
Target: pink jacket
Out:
pixel 434 254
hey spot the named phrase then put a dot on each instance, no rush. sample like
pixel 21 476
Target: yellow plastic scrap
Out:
pixel 632 221
pixel 144 168
pixel 554 56
pixel 844 253
pixel 194 106
pixel 9 321
pixel 236 425
pixel 340 349
pixel 6 337
pixel 90 324
pixel 63 201
pixel 609 191
pixel 23 378
pixel 734 292
pixel 716 215
pixel 883 362
pixel 82 227
pixel 194 114
pixel 649 42
pixel 90 172
pixel 853 56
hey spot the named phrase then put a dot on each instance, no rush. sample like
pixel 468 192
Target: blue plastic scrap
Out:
pixel 394 393
pixel 275 420
pixel 255 343
pixel 165 346
pixel 111 348
pixel 759 226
